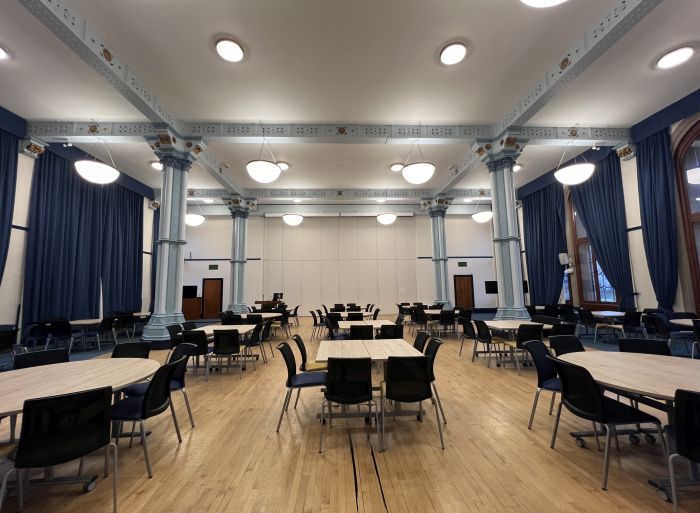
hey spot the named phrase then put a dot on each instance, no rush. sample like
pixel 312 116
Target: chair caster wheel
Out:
pixel 665 494
pixel 580 442
pixel 650 439
pixel 634 440
pixel 90 485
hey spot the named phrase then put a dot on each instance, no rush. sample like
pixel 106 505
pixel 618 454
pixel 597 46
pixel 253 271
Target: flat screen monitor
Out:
pixel 277 296
pixel 492 287
pixel 189 291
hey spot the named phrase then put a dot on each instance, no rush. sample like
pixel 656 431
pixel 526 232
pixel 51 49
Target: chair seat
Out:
pixel 128 409
pixel 314 366
pixel 553 384
pixel 621 413
pixel 139 389
pixel 309 379
pixel 225 353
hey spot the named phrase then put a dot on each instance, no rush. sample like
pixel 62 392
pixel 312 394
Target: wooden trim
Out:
pixel 221 294
pixel 454 287
pixel 688 219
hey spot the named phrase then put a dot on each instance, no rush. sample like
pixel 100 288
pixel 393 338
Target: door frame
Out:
pixel 221 293
pixel 454 285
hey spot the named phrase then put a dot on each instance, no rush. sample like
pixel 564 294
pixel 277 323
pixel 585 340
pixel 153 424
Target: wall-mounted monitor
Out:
pixel 492 287
pixel 189 291
pixel 277 296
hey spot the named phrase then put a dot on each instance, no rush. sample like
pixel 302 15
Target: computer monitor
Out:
pixel 277 296
pixel 189 291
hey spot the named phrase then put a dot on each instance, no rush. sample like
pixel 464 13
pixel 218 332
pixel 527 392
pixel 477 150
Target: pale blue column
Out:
pixel 167 305
pixel 500 157
pixel 238 258
pixel 437 212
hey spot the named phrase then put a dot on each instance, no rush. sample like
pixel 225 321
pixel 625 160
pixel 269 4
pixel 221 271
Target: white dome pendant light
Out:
pixel 194 219
pixel 419 172
pixel 95 171
pixel 481 217
pixel 387 218
pixel 575 173
pixel 264 171
pixel 292 219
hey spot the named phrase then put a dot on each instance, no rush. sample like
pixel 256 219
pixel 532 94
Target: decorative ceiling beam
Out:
pixel 79 36
pixel 124 132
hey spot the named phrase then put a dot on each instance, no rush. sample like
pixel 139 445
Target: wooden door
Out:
pixel 212 294
pixel 464 290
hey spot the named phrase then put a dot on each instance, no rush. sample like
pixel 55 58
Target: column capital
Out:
pixel 240 207
pixel 626 151
pixel 436 207
pixel 176 161
pixel 500 153
pixel 32 147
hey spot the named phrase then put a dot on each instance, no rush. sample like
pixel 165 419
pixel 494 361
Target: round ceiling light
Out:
pixel 396 168
pixel 297 200
pixel 155 164
pixel 292 219
pixel 4 55
pixel 229 50
pixel 418 173
pixel 482 217
pixel 543 3
pixel 283 166
pixel 194 219
pixel 517 167
pixel 454 53
pixel 575 174
pixel 386 218
pixel 96 172
pixel 468 200
pixel 675 58
pixel 263 171
pixel 693 176
pixel 380 200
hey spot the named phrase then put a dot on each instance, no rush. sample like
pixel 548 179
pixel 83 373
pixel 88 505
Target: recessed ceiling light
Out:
pixel 4 55
pixel 229 50
pixel 543 3
pixel 381 200
pixel 208 201
pixel 517 167
pixel 297 200
pixel 396 167
pixel 468 200
pixel 675 58
pixel 283 166
pixel 454 53
pixel 155 164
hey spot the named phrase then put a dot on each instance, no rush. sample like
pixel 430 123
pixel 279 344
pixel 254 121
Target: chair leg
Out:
pixel 663 439
pixel 206 367
pixel 113 446
pixel 461 347
pixel 595 433
pixel 476 343
pixel 381 408
pixel 177 427
pixel 437 418
pixel 534 407
pixel 551 403
pixel 284 407
pixel 144 444
pixel 514 353
pixel 671 473
pixel 437 396
pixel 3 488
pixel 556 425
pixel 187 404
pixel 606 458
pixel 13 427
pixel 297 399
pixel 320 439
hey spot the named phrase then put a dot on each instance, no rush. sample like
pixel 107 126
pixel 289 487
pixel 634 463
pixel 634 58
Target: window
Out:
pixel 594 286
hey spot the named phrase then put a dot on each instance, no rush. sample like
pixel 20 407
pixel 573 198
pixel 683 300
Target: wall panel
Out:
pixel 347 238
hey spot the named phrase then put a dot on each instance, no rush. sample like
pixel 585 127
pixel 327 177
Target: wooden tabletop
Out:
pixel 512 325
pixel 345 325
pixel 344 315
pixel 85 322
pixel 265 315
pixel 645 374
pixel 686 323
pixel 63 378
pixel 609 314
pixel 437 312
pixel 380 350
pixel 341 349
pixel 211 328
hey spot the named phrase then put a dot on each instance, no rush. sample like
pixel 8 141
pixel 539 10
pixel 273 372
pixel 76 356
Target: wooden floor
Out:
pixel 234 461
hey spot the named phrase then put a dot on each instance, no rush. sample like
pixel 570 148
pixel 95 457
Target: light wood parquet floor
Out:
pixel 233 461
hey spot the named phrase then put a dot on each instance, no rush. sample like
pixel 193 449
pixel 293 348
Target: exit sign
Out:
pixel 461 264
pixel 213 267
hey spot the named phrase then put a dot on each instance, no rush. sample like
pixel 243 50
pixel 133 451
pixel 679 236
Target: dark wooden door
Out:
pixel 464 290
pixel 212 294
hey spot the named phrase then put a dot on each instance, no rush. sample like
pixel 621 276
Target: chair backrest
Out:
pixel 63 428
pixel 408 379
pixel 265 332
pixel 362 332
pixel 390 331
pixel 289 360
pixel 157 397
pixel 543 364
pixel 254 318
pixel 421 339
pixel 420 317
pixel 302 351
pixel 189 325
pixel 579 391
pixel 399 320
pixel 431 352
pixel 644 346
pixel 227 342
pixel 465 313
pixel 334 318
pixel 39 358
pixel 447 317
pixel 328 322
pixel 545 319
pixel 632 320
pixel 8 338
pixel 224 318
pixel 106 325
pixel 376 314
pixel 325 308
pixel 567 314
pixel 174 330
pixel 564 328
pixel 696 329
pixel 349 380
pixel 468 328
pixel 686 421
pixel 563 344
pixel 38 332
pixel 483 332
pixel 662 326
pixel 313 314
pixel 181 351
pixel 132 350
pixel 355 316
pixel 61 329
pixel 256 334
pixel 124 321
pixel 198 338
pixel 527 332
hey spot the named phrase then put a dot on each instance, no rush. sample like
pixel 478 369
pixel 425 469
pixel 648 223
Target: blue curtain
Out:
pixel 8 180
pixel 600 204
pixel 657 201
pixel 545 238
pixel 122 251
pixel 154 255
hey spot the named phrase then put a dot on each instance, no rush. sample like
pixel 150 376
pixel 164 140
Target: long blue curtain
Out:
pixel 600 204
pixel 657 201
pixel 154 255
pixel 545 238
pixel 122 251
pixel 8 181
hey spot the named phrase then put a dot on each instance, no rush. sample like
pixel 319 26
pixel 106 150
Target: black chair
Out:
pixel 589 321
pixel 8 339
pixel 431 350
pixel 547 379
pixel 662 327
pixel 696 337
pixel 376 314
pixel 563 344
pixel 154 402
pixel 525 333
pixel 420 319
pixel 314 329
pixel 254 319
pixel 686 431
pixel 175 332
pixel 39 358
pixel 399 320
pixel 132 350
pixel 464 313
pixel 178 380
pixel 361 332
pixel 227 344
pixel 631 324
pixel 467 332
pixel 189 325
pixel 355 316
pixel 389 331
pixel 583 397
pixel 447 321
pixel 199 340
pixel 421 339
pixel 60 429
pixel 223 316
pixel 644 346
pixel 103 331
pixel 124 323
pixel 294 316
pixel 349 382
pixel 564 328
pixel 60 331
pixel 408 380
pixel 568 315
pixel 483 337
pixel 254 340
pixel 306 365
pixel 296 381
pixel 265 336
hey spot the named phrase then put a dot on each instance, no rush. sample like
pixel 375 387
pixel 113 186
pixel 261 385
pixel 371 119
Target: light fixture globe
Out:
pixel 156 164
pixel 96 172
pixel 693 176
pixel 194 219
pixel 386 218
pixel 543 3
pixel 229 50
pixel 263 171
pixel 418 172
pixel 292 219
pixel 453 53
pixel 482 217
pixel 575 174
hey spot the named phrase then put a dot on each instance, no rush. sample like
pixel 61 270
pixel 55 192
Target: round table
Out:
pixel 63 378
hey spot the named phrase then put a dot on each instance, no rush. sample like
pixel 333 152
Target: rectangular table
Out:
pixel 382 349
pixel 211 328
pixel 685 323
pixel 341 349
pixel 513 325
pixel 345 325
pixel 265 315
pixel 608 314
